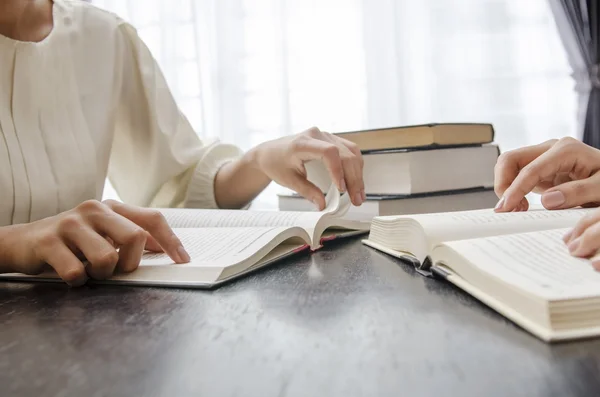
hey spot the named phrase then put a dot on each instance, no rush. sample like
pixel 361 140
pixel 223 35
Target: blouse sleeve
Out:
pixel 157 159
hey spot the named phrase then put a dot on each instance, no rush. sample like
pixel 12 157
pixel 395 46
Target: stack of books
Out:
pixel 417 169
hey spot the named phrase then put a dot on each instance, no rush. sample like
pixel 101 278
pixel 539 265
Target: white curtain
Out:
pixel 251 70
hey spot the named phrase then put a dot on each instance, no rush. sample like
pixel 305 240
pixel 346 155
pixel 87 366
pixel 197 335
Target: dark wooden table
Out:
pixel 346 321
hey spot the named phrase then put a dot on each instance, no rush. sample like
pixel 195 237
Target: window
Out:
pixel 248 70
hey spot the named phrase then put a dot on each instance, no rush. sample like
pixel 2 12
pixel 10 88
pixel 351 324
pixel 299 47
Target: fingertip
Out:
pixel 596 264
pixel 500 205
pixel 75 277
pixel 184 257
pixel 575 246
pixel 567 236
pixel 357 199
pixel 319 202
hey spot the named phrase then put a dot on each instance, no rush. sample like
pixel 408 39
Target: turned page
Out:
pixel 453 226
pixel 536 262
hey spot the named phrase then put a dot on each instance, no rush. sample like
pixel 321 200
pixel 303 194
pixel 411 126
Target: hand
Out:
pixel 584 240
pixel 93 231
pixel 282 160
pixel 565 172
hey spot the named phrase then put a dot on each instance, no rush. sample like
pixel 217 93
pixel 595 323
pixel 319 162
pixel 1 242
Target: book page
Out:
pixel 336 206
pixel 218 247
pixel 537 262
pixel 453 226
pixel 192 218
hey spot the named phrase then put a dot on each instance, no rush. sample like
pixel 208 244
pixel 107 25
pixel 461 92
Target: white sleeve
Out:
pixel 157 160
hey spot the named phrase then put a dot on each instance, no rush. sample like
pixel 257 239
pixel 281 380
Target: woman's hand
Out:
pixel 565 172
pixel 584 240
pixel 282 161
pixel 91 232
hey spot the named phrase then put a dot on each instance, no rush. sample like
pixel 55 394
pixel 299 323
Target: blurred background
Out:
pixel 247 71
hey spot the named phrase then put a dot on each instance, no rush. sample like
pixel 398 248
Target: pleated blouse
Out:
pixel 89 102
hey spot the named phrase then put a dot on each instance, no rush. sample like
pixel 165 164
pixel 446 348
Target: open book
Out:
pixel 225 244
pixel 516 263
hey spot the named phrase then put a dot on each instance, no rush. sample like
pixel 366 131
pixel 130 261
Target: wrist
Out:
pixel 252 160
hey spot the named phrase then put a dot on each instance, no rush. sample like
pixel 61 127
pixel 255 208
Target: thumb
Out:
pixel 573 194
pixel 307 189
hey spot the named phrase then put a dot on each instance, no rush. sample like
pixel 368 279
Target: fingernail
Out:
pixel 500 204
pixel 183 255
pixel 553 199
pixel 596 265
pixel 567 236
pixel 358 198
pixel 573 245
pixel 364 195
pixel 342 185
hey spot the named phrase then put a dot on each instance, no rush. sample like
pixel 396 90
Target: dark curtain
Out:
pixel 584 17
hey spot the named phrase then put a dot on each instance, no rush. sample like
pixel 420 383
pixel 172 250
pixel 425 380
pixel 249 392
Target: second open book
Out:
pixel 516 263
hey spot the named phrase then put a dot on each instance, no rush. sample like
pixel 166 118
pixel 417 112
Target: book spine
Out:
pixel 439 272
pixel 424 269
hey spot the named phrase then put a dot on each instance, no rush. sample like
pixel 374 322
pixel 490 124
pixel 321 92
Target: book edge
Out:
pixel 384 197
pixel 429 125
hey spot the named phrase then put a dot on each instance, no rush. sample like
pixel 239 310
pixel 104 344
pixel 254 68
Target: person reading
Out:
pixel 81 98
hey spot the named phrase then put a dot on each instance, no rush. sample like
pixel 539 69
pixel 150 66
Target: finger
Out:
pixel 353 172
pixel 298 183
pixel 156 224
pixel 313 149
pixel 130 237
pixel 542 168
pixel 152 244
pixel 595 259
pixel 584 223
pixel 510 163
pixel 359 165
pixel 588 243
pixel 523 205
pixel 130 254
pixel 573 194
pixel 353 182
pixel 102 257
pixel 567 237
pixel 66 264
pixel 543 186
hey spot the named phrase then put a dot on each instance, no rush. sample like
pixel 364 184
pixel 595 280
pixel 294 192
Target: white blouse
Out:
pixel 88 102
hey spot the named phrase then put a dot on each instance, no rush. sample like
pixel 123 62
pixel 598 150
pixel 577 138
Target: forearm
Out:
pixel 239 182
